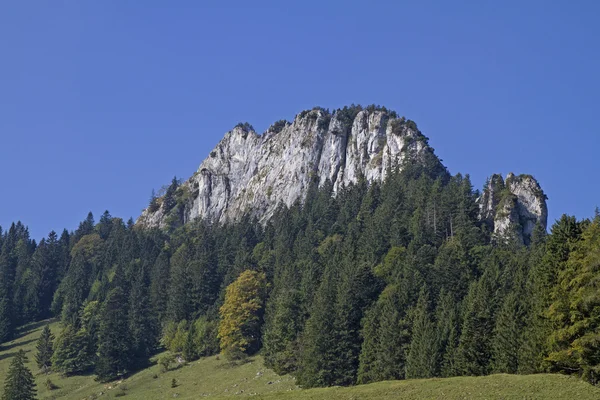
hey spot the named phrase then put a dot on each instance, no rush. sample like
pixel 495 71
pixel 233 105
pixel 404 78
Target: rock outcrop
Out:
pixel 251 173
pixel 513 206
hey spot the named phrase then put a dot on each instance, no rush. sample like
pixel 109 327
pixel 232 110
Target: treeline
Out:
pixel 383 281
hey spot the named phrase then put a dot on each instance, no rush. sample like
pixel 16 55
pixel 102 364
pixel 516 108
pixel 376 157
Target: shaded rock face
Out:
pixel 513 206
pixel 251 173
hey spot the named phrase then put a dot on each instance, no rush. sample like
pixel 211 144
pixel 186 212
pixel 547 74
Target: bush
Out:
pixel 206 340
pixel 50 385
pixel 165 362
pixel 278 126
pixel 245 126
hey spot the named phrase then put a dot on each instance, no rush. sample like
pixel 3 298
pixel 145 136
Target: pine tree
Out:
pixel 114 349
pixel 19 383
pixel 45 349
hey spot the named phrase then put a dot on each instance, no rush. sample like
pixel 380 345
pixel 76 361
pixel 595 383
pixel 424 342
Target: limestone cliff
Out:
pixel 252 174
pixel 514 205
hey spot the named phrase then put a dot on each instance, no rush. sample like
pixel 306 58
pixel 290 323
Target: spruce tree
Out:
pixel 281 331
pixel 318 357
pixel 507 336
pixel 114 348
pixel 386 334
pixel 474 350
pixel 7 324
pixel 45 350
pixel 575 311
pixel 447 321
pixel 19 383
pixel 423 355
pixel 143 325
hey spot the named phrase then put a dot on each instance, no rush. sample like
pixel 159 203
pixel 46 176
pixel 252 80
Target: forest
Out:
pixel 384 281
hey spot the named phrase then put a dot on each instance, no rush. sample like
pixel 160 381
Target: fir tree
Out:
pixel 19 383
pixel 507 336
pixel 45 349
pixel 575 311
pixel 114 349
pixel 143 325
pixel 281 330
pixel 386 334
pixel 423 355
pixel 448 333
pixel 318 358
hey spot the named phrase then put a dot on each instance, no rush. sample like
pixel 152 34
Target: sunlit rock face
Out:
pixel 252 174
pixel 513 206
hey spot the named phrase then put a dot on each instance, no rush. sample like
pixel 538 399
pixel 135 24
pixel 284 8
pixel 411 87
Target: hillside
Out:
pixel 415 276
pixel 212 378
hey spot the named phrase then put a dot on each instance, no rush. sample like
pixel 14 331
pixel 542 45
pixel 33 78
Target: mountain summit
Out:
pixel 253 174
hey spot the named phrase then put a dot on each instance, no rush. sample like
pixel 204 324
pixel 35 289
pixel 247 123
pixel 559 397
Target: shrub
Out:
pixel 50 385
pixel 245 126
pixel 165 362
pixel 278 126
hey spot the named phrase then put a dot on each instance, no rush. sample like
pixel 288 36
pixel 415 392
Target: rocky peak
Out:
pixel 252 173
pixel 513 205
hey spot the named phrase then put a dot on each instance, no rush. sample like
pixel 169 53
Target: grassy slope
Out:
pixel 214 378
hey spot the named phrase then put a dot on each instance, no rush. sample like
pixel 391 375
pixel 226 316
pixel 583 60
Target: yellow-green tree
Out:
pixel 241 315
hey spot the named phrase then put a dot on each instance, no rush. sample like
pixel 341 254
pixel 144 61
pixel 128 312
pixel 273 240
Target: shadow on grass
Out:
pixel 32 327
pixel 12 354
pixel 235 363
pixel 13 344
pixel 7 355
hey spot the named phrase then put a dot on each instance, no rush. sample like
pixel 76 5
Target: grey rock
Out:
pixel 252 174
pixel 513 206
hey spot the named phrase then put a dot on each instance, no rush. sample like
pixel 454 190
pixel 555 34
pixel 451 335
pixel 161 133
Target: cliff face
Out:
pixel 514 205
pixel 251 173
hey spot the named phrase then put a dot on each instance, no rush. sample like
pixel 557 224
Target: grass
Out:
pixel 214 378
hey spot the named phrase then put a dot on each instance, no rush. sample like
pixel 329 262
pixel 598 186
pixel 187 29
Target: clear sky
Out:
pixel 101 101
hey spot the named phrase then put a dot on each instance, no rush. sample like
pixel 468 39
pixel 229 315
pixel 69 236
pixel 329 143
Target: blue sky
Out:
pixel 101 101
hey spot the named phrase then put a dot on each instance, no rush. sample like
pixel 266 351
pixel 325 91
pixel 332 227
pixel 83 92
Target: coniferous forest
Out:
pixel 392 280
